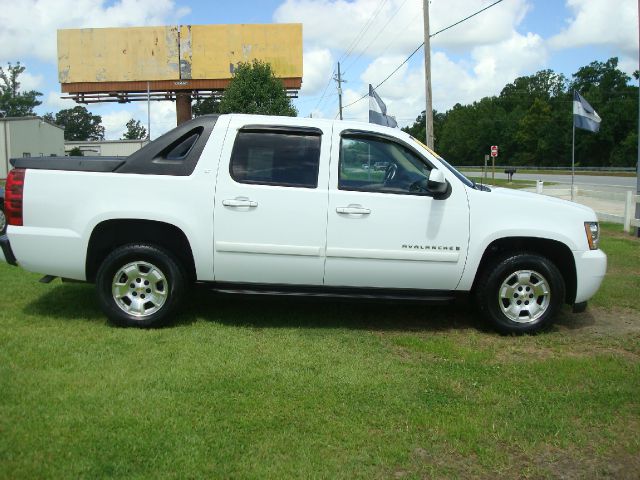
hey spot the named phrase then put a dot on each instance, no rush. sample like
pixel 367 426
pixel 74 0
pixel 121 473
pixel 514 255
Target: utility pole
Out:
pixel 638 159
pixel 338 78
pixel 428 113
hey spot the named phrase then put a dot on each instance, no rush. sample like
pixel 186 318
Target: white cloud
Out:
pixel 499 64
pixel 29 26
pixel 317 67
pixel 398 28
pixel 29 81
pixel 469 61
pixel 485 73
pixel 335 23
pixel 53 103
pixel 404 96
pixel 493 26
pixel 163 117
pixel 601 22
pixel 359 110
pixel 114 123
pixel 628 65
pixel 116 116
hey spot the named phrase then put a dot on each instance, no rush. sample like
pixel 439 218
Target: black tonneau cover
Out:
pixel 74 164
pixel 175 153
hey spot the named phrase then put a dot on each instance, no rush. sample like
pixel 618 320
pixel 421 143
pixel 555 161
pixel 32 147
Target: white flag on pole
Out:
pixel 378 111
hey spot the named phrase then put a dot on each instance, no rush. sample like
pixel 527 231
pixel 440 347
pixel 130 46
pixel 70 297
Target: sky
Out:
pixel 369 37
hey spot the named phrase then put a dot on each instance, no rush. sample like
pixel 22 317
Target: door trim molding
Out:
pixel 270 249
pixel 410 255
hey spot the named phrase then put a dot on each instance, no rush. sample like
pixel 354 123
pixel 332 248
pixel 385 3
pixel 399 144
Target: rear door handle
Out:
pixel 239 202
pixel 353 210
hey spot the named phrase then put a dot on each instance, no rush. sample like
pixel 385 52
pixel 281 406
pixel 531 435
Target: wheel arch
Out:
pixel 110 234
pixel 557 252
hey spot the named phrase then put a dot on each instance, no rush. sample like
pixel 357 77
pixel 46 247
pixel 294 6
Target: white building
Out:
pixel 106 148
pixel 28 137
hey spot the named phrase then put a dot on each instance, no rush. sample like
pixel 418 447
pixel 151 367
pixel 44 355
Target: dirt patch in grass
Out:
pixel 589 461
pixel 597 331
pixel 599 321
pixel 567 467
pixel 542 460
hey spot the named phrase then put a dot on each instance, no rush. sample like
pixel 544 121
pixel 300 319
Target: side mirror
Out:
pixel 437 184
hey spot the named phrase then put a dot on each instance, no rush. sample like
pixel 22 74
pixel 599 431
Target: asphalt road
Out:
pixel 605 183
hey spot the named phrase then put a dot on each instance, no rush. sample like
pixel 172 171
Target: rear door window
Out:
pixel 288 158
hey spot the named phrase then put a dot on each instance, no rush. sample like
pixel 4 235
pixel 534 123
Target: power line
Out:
pixel 376 37
pixel 367 25
pixel 387 78
pixel 352 46
pixel 465 19
pixel 325 89
pixel 420 46
pixel 390 44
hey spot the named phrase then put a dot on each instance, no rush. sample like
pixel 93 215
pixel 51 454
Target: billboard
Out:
pixel 94 58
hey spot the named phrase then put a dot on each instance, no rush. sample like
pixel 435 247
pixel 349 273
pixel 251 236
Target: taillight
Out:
pixel 13 193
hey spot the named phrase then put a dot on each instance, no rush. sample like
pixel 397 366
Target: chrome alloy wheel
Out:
pixel 140 289
pixel 524 296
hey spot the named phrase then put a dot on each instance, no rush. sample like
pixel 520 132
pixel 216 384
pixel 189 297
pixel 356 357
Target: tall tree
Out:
pixel 531 121
pixel 13 102
pixel 607 89
pixel 79 124
pixel 135 130
pixel 206 106
pixel 418 129
pixel 534 133
pixel 254 88
pixel 76 152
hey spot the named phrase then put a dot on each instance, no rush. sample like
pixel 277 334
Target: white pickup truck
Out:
pixel 292 206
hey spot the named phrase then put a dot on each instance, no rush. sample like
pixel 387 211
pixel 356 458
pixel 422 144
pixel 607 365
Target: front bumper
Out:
pixel 6 254
pixel 591 267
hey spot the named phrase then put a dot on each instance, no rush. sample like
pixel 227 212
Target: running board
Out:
pixel 415 295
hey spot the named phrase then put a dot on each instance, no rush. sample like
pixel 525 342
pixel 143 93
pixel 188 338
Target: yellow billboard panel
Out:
pixel 118 54
pixel 211 51
pixel 188 52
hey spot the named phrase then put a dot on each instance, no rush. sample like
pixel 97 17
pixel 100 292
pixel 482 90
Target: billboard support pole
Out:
pixel 148 112
pixel 183 107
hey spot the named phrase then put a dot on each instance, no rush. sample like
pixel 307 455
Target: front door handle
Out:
pixel 353 210
pixel 239 202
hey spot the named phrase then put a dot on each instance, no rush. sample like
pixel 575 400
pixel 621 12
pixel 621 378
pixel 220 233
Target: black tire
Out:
pixel 154 286
pixel 503 284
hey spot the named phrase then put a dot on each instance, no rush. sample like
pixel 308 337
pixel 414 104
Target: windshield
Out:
pixel 452 169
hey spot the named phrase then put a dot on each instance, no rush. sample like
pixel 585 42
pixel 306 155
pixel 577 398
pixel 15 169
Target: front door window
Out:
pixel 376 165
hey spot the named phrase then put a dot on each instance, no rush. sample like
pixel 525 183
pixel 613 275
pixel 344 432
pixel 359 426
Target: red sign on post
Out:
pixel 494 150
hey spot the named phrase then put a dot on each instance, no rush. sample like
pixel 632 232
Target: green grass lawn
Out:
pixel 284 389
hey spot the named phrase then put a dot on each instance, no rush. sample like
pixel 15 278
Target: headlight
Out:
pixel 593 234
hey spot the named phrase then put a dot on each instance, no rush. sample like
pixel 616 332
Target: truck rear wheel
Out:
pixel 520 293
pixel 139 286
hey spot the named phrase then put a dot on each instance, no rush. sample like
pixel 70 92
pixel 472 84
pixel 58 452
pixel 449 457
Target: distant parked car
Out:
pixel 380 166
pixel 3 219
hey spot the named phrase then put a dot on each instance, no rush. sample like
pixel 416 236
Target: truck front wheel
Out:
pixel 520 293
pixel 139 286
